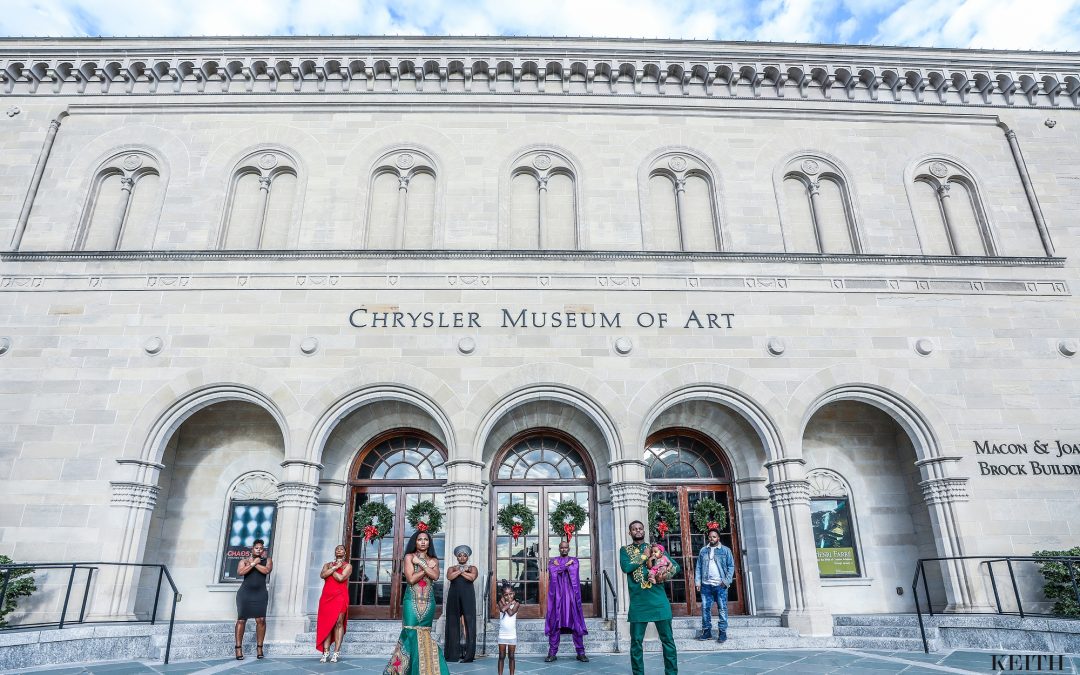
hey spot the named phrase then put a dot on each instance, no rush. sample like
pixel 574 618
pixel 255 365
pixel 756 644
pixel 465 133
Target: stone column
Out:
pixel 402 211
pixel 541 219
pixel 629 502
pixel 132 506
pixel 127 183
pixel 35 182
pixel 264 205
pixel 943 496
pixel 680 190
pixel 789 493
pixel 950 219
pixel 814 188
pixel 1029 191
pixel 297 500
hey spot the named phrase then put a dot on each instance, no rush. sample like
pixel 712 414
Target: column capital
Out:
pixel 943 190
pixel 629 494
pixel 297 495
pixel 789 493
pixel 464 495
pixel 944 490
pixel 264 183
pixel 134 495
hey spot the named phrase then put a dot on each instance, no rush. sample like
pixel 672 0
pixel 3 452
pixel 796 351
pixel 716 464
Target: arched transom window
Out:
pixel 542 458
pixel 403 458
pixel 683 457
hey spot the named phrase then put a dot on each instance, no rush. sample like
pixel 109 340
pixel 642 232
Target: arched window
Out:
pixel 542 458
pixel 544 202
pixel 122 208
pixel 681 212
pixel 818 213
pixel 833 518
pixel 402 201
pixel 403 458
pixel 949 212
pixel 251 511
pixel 263 202
pixel 683 457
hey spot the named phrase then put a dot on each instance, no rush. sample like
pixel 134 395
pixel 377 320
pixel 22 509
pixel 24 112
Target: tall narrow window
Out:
pixel 262 205
pixel 681 209
pixel 949 212
pixel 403 201
pixel 544 204
pixel 833 519
pixel 122 209
pixel 818 213
pixel 250 515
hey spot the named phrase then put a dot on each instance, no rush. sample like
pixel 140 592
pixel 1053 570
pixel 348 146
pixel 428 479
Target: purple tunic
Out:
pixel 564 613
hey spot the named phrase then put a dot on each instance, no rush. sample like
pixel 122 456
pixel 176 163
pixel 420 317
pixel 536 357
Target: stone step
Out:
pixel 877 631
pixel 881 643
pixel 875 620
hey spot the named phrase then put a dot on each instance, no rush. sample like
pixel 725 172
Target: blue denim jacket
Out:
pixel 724 560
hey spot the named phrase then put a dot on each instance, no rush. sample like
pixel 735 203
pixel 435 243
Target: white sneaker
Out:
pixel 325 656
pixel 333 659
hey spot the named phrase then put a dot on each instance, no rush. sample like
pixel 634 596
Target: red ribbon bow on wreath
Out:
pixel 421 526
pixel 568 528
pixel 662 528
pixel 516 529
pixel 712 525
pixel 370 532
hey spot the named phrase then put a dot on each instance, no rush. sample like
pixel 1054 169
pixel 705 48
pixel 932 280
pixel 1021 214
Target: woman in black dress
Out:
pixel 461 604
pixel 252 596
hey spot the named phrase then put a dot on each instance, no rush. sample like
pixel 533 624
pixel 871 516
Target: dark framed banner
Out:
pixel 248 521
pixel 834 537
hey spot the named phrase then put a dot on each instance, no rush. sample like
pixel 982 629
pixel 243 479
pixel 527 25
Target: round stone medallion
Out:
pixel 405 160
pixel 466 345
pixel 924 346
pixel 1050 123
pixel 154 345
pixel 623 345
pixel 677 163
pixel 810 167
pixel 542 162
pixel 268 160
pixel 309 345
pixel 939 169
pixel 1066 347
pixel 5 345
pixel 14 110
pixel 132 162
pixel 775 346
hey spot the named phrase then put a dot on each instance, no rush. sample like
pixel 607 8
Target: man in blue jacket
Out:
pixel 715 572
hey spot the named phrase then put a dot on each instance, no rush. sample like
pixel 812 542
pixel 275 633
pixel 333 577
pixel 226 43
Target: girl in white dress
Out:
pixel 508 608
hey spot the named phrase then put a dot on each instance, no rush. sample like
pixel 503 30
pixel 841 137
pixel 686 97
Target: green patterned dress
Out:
pixel 416 652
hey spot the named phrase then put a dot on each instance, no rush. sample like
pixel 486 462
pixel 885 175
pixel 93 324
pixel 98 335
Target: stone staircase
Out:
pixel 891 632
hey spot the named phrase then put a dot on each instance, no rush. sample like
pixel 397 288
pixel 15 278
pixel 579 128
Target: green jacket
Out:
pixel 646 604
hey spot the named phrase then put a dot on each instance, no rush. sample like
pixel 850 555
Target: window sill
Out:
pixel 223 587
pixel 853 581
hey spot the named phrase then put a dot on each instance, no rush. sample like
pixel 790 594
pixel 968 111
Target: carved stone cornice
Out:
pixel 464 496
pixel 944 490
pixel 629 495
pixel 547 67
pixel 134 495
pixel 297 495
pixel 789 493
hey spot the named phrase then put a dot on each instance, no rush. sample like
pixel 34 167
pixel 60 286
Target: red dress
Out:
pixel 333 602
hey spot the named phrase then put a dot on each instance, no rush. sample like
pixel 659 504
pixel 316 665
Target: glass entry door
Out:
pixel 683 543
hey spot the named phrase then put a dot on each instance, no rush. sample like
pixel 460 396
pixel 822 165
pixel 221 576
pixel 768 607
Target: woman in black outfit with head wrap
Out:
pixel 461 603
pixel 252 597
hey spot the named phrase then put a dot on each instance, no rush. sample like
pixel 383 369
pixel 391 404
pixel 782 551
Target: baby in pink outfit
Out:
pixel 661 567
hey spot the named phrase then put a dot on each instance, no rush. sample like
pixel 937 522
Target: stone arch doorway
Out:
pixel 683 467
pixel 398 468
pixel 540 468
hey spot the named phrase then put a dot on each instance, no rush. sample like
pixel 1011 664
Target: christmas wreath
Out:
pixel 374 519
pixel 567 518
pixel 709 514
pixel 661 516
pixel 516 520
pixel 425 517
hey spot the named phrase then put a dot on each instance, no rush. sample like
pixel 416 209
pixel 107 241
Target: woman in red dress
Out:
pixel 333 605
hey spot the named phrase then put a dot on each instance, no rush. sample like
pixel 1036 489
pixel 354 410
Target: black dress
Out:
pixel 460 602
pixel 252 597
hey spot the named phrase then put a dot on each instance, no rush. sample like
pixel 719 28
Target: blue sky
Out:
pixel 984 24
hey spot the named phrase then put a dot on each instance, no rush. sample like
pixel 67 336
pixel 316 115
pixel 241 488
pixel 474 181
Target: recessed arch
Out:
pixel 555 212
pixel 693 213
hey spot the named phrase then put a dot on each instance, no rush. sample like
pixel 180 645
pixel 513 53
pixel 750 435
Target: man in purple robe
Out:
pixel 564 613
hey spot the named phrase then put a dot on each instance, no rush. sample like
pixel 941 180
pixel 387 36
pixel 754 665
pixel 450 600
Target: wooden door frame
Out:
pixel 400 488
pixel 681 488
pixel 541 486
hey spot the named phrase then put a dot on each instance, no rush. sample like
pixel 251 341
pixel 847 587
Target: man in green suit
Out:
pixel 648 601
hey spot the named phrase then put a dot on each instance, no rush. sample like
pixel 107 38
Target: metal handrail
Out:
pixel 90 568
pixel 608 586
pixel 920 572
pixel 486 610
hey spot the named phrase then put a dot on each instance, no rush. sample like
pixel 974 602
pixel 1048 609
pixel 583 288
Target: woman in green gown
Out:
pixel 416 652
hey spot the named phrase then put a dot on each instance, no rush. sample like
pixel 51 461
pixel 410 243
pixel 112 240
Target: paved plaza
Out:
pixel 803 661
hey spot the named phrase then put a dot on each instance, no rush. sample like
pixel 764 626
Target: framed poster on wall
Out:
pixel 834 536
pixel 248 521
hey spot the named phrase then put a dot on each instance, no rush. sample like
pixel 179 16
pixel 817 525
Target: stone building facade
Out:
pixel 252 284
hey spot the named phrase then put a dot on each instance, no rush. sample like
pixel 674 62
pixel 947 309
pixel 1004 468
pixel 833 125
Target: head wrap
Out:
pixel 463 549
